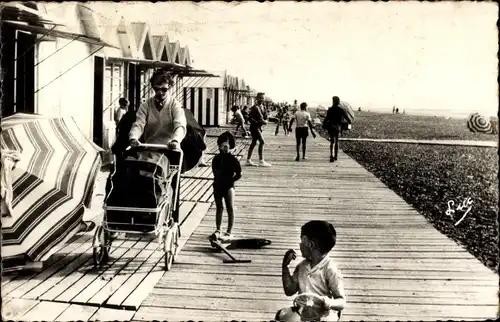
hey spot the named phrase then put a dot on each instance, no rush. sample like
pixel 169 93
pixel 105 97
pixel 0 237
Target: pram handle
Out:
pixel 153 147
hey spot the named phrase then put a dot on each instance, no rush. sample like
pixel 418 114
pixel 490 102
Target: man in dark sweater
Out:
pixel 333 124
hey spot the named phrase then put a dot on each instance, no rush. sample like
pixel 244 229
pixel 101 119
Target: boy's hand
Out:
pixel 290 255
pixel 325 303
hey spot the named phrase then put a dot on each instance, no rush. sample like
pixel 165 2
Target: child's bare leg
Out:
pixel 229 199
pixel 218 211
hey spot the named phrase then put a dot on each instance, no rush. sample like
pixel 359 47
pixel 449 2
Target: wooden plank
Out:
pixel 206 185
pixel 190 194
pixel 233 291
pixel 375 282
pixel 147 313
pixel 451 299
pixel 361 274
pixel 136 298
pixel 23 284
pixel 106 314
pixel 137 277
pixel 192 222
pixel 206 197
pixel 72 278
pixel 41 289
pixel 117 280
pixel 45 311
pixel 185 209
pixel 46 279
pixel 86 277
pixel 270 306
pixel 77 312
pixel 108 275
pixel 14 309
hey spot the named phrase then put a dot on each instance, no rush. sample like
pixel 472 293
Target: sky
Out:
pixel 420 57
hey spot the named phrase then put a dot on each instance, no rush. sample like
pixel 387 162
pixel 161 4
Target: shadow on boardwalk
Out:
pixel 395 264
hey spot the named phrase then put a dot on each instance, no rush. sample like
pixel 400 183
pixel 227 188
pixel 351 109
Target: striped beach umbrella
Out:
pixel 52 183
pixel 480 124
pixel 347 109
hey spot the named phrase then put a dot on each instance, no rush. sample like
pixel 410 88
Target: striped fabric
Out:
pixel 205 104
pixel 51 184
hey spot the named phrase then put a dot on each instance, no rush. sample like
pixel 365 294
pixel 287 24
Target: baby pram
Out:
pixel 142 199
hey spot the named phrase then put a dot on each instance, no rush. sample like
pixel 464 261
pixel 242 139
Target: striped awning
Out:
pixel 52 184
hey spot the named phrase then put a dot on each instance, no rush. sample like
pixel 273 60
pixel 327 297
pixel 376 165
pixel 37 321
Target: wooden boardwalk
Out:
pixel 70 288
pixel 396 265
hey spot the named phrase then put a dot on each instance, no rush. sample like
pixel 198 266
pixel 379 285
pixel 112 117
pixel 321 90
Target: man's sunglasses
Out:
pixel 158 88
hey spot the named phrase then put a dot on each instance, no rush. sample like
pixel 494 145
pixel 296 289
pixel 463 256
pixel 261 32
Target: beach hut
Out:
pixel 205 96
pixel 49 57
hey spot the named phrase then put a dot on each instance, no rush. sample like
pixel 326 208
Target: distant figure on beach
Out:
pixel 359 109
pixel 397 110
pixel 333 124
pixel 257 118
pixel 317 274
pixel 303 119
pixel 394 110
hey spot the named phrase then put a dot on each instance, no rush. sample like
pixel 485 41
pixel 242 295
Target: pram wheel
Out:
pixel 101 246
pixel 170 245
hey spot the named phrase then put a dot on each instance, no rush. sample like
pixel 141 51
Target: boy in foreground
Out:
pixel 317 273
pixel 303 119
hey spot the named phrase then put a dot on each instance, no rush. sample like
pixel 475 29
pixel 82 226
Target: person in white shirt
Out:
pixel 121 110
pixel 303 120
pixel 317 274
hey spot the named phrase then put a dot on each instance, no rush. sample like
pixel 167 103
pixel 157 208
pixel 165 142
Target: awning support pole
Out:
pixel 60 75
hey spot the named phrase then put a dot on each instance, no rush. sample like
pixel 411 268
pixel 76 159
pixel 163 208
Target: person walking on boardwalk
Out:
pixel 279 118
pixel 285 120
pixel 303 120
pixel 295 107
pixel 333 124
pixel 240 121
pixel 257 118
pixel 227 170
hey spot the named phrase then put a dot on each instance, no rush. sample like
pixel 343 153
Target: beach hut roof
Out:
pixel 161 43
pixel 185 56
pixel 174 52
pixel 144 40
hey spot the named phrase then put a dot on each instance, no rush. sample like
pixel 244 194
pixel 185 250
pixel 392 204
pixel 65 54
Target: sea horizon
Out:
pixel 428 112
